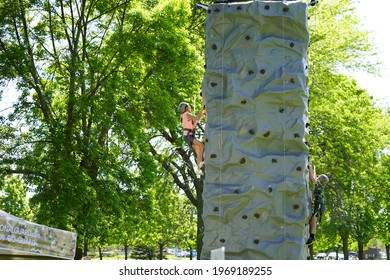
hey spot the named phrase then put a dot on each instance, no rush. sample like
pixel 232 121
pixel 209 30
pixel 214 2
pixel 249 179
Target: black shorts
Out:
pixel 319 208
pixel 189 139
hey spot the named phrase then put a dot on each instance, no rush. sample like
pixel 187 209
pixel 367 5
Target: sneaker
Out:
pixel 201 164
pixel 200 172
pixel 310 241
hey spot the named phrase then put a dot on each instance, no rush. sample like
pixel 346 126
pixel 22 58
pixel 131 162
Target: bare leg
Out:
pixel 313 225
pixel 199 149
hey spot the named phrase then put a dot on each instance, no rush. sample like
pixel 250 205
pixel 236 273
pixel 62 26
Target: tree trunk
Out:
pixel 200 223
pixel 190 253
pixel 100 254
pixel 161 248
pixel 85 253
pixel 311 252
pixel 360 252
pixel 345 238
pixel 387 252
pixel 126 248
pixel 79 254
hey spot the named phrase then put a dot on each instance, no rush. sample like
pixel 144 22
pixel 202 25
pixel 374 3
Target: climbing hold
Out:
pixel 214 47
pixel 244 98
pixel 217 10
pixel 296 135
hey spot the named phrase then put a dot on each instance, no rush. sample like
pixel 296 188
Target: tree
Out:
pixel 338 41
pixel 342 115
pixel 348 158
pixel 188 234
pixel 157 225
pixel 382 194
pixel 362 223
pixel 96 80
pixel 13 197
pixel 98 84
pixel 177 161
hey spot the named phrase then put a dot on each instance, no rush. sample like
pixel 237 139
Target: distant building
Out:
pixel 372 254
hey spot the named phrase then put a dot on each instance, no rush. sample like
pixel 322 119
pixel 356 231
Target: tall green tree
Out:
pixel 347 131
pixel 96 80
pixel 383 199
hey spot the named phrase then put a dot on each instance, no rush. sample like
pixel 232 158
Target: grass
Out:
pixel 122 257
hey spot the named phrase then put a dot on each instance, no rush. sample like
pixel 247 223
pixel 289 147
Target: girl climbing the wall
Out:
pixel 318 206
pixel 189 122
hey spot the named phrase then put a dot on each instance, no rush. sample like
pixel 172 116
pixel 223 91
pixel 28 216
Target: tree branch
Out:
pixel 182 185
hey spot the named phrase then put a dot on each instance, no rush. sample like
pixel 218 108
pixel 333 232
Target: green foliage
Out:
pixel 13 197
pixel 94 86
pixel 95 132
pixel 337 39
pixel 143 253
pixel 383 200
pixel 347 131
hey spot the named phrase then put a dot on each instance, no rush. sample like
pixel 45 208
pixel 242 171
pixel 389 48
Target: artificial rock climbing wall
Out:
pixel 256 201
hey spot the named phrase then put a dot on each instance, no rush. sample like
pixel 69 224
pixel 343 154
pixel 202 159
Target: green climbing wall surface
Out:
pixel 256 200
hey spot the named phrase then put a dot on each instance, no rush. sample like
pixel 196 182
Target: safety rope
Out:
pixel 284 138
pixel 220 127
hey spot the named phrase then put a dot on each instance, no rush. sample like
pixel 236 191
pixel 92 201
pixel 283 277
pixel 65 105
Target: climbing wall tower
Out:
pixel 256 202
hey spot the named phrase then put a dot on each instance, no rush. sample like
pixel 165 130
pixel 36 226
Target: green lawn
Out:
pixel 122 257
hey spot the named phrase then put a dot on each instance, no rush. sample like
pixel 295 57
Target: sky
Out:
pixel 376 18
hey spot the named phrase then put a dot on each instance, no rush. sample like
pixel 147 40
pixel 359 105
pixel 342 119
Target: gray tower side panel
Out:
pixel 256 201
